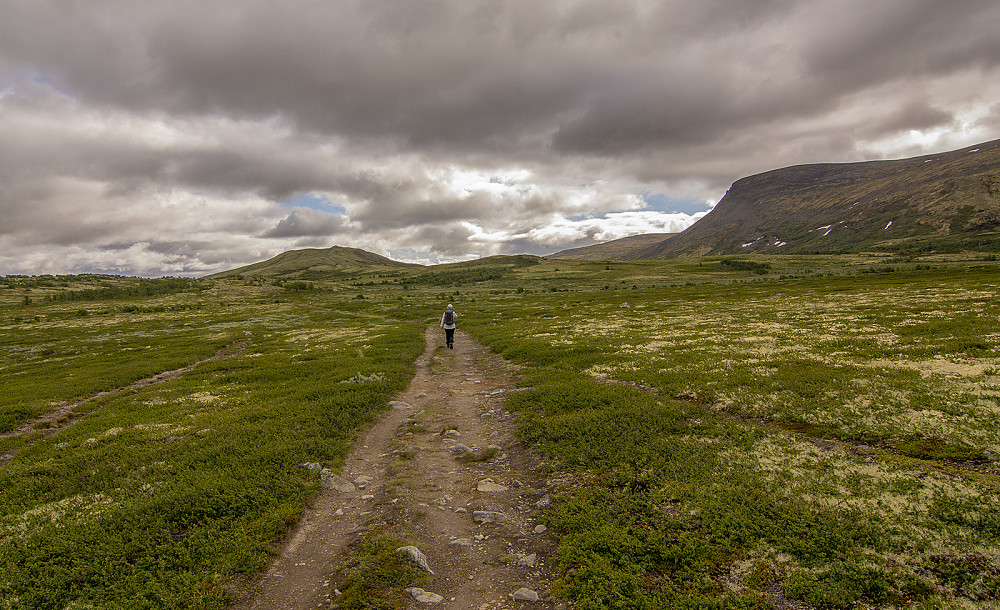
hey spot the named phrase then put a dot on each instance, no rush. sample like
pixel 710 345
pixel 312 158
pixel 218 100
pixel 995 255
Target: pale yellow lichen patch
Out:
pixel 940 366
pixel 599 329
pixel 322 335
pixel 149 427
pixel 165 429
pixel 600 371
pixel 75 506
pixel 835 478
pixel 204 397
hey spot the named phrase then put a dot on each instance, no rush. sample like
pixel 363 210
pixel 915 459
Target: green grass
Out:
pixel 374 575
pixel 825 426
pixel 674 498
pixel 162 496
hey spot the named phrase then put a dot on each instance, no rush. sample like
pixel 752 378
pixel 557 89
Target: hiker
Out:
pixel 448 324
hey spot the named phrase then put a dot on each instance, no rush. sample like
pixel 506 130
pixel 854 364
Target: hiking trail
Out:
pixel 409 478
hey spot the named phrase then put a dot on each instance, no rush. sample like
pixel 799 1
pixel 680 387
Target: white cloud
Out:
pixel 564 232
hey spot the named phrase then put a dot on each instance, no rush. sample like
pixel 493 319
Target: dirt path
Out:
pixel 422 490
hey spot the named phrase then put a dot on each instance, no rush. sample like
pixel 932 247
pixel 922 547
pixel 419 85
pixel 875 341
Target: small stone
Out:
pixel 488 486
pixel 540 529
pixel 407 454
pixel 461 510
pixel 528 561
pixel 524 595
pixel 451 433
pixel 424 597
pixel 486 516
pixel 339 513
pixel 332 481
pixel 362 481
pixel 311 466
pixel 459 448
pixel 414 554
pixel 461 542
pixel 399 405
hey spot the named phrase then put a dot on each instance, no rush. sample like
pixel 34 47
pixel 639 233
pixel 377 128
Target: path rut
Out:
pixel 422 492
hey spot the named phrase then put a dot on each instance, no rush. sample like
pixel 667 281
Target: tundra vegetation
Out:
pixel 720 432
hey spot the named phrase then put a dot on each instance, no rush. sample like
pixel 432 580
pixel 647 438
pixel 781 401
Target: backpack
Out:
pixel 449 317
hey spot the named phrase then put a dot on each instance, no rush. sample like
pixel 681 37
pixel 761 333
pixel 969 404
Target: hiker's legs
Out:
pixel 449 336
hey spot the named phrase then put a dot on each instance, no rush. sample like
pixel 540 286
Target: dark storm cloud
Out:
pixel 305 222
pixel 204 119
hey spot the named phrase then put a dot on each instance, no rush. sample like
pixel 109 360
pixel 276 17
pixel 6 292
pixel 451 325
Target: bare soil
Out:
pixel 422 492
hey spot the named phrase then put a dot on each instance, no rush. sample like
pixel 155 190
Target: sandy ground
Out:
pixel 420 491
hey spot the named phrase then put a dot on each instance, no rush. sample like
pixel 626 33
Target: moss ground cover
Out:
pixel 163 496
pixel 723 434
pixel 830 434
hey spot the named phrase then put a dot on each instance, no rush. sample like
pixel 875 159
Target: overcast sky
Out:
pixel 187 137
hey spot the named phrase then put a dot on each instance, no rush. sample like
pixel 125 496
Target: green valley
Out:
pixel 728 432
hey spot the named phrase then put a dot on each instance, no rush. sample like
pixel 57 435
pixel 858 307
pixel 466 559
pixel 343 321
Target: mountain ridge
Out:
pixel 618 249
pixel 863 205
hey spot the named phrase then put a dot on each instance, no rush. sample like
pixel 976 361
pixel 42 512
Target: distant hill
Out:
pixel 313 263
pixel 626 248
pixel 943 201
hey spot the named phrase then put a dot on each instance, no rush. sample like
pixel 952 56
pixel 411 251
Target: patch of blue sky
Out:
pixel 47 82
pixel 314 201
pixel 661 202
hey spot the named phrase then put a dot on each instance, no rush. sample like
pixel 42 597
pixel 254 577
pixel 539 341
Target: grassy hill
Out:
pixel 315 263
pixel 940 202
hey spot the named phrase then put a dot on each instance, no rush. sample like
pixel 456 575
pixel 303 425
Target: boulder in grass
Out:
pixel 460 449
pixel 486 516
pixel 424 597
pixel 332 481
pixel 416 556
pixel 488 486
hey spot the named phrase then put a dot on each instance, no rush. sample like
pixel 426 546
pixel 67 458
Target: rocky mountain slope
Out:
pixel 626 248
pixel 943 201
